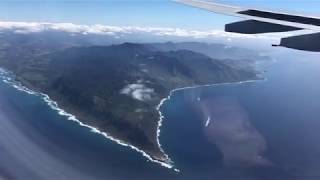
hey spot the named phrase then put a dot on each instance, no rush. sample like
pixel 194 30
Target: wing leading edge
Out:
pixel 262 21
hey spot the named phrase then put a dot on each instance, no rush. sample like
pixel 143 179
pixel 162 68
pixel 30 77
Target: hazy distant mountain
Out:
pixel 116 88
pixel 219 51
pixel 53 40
pixel 236 57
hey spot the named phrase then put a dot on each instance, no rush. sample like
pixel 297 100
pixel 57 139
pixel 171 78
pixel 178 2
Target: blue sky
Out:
pixel 154 13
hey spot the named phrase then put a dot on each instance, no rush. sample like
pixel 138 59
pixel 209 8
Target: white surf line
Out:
pixel 54 105
pixel 191 87
pixel 218 84
pixel 71 117
pixel 208 121
pixel 207 85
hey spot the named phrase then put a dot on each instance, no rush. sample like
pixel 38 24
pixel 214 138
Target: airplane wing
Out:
pixel 264 21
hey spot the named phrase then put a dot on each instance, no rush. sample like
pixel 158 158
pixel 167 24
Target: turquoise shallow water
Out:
pixel 262 129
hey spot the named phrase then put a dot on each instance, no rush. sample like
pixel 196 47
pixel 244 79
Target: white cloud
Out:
pixel 116 31
pixel 152 34
pixel 138 91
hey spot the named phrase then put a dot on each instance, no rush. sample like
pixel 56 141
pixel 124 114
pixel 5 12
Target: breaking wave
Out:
pixel 8 78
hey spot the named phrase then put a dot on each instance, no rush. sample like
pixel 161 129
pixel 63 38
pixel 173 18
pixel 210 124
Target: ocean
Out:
pixel 254 130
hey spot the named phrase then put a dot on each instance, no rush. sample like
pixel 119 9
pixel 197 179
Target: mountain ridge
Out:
pixel 117 88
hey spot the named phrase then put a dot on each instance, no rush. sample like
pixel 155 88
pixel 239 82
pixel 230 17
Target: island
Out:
pixel 116 88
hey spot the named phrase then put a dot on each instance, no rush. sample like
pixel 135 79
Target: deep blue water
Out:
pixel 265 129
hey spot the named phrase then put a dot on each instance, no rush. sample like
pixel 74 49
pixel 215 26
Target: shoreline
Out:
pixel 184 88
pixel 7 77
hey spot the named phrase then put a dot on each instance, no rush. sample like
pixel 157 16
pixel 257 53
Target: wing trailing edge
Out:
pixel 262 21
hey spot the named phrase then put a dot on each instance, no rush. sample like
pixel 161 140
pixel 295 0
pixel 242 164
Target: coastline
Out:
pixel 7 77
pixel 191 87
